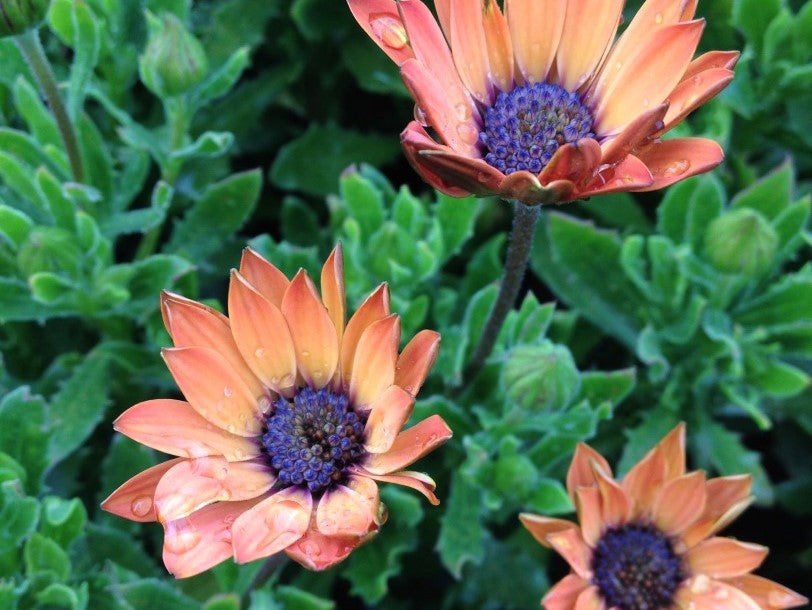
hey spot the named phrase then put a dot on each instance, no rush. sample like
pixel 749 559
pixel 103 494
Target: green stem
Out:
pixel 31 48
pixel 521 241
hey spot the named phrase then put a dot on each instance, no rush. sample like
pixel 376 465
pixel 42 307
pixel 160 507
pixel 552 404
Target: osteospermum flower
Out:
pixel 292 417
pixel 648 542
pixel 541 104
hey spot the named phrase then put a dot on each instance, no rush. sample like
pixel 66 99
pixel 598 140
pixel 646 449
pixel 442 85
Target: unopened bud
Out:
pixel 174 60
pixel 17 16
pixel 541 376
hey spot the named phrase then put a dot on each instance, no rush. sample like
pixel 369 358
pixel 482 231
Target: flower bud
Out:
pixel 741 241
pixel 17 16
pixel 174 60
pixel 541 376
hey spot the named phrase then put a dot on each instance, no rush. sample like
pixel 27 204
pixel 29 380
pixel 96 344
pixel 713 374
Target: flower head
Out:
pixel 291 417
pixel 540 103
pixel 649 542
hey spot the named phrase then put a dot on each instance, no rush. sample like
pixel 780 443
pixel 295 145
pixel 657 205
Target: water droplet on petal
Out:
pixel 467 133
pixel 658 18
pixel 305 354
pixel 227 391
pixel 463 111
pixel 721 593
pixel 701 584
pixel 180 540
pixel 388 28
pixel 264 403
pixel 259 352
pixel 231 428
pixel 674 168
pixel 141 506
pixel 311 549
pixel 420 116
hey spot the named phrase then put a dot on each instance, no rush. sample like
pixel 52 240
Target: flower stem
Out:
pixel 271 565
pixel 521 240
pixel 31 48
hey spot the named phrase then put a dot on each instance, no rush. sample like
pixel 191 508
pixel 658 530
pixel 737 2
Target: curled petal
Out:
pixel 540 526
pixel 673 160
pixel 381 21
pixel 373 369
pixel 575 162
pixel 631 174
pixel 374 308
pixel 571 546
pixel 133 500
pixel 269 281
pixel 316 551
pixel 416 360
pixel 387 415
pixel 680 503
pixel 710 60
pixel 690 94
pixel 344 512
pixel 332 289
pixel 767 594
pixel 725 557
pixel 535 31
pixel 408 478
pixel 410 445
pixel 650 122
pixel 580 472
pixel 564 594
pixel 525 187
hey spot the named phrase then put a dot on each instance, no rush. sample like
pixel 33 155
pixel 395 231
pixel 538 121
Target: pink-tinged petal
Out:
pixel 615 504
pixel 590 514
pixel 631 174
pixel 133 500
pixel 565 593
pixel 318 552
pixel 500 47
pixel 469 48
pixel 535 31
pixel 200 541
pixel 617 148
pixel 314 335
pixel 374 308
pixel 192 324
pixel 416 360
pixel 408 478
pixel 540 526
pixel 174 427
pixel 272 525
pixel 382 23
pixel 262 335
pixel 332 289
pixel 575 162
pixel 269 281
pixel 193 484
pixel 725 557
pixel 643 482
pixel 410 445
pixel 692 93
pixel 373 368
pixel 443 10
pixel 571 546
pixel 710 60
pixel 767 594
pixel 525 187
pixel 680 503
pixel 387 415
pixel 648 78
pixel 589 599
pixel 702 593
pixel 673 160
pixel 214 389
pixel 580 473
pixel 368 489
pixel 344 512
pixel 589 28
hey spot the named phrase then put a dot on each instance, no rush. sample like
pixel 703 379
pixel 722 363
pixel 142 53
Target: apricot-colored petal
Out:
pixel 589 599
pixel 499 44
pixel 371 494
pixel 540 526
pixel 273 524
pixel 373 368
pixel 416 360
pixel 388 413
pixel 344 512
pixel 650 122
pixel 408 478
pixel 525 187
pixel 269 281
pixel 709 525
pixel 410 445
pixel 374 308
pixel 615 504
pixel 571 546
pixel 469 48
pixel 214 389
pixel 724 492
pixel 443 10
pixel 575 162
pixel 648 78
pixel 725 557
pixel 332 289
pixel 192 484
pixel 673 160
pixel 703 593
pixel 590 514
pixel 580 472
pixel 195 543
pixel 710 60
pixel 589 28
pixel 631 174
pixel 690 94
pixel 318 552
pixel 563 595
pixel 673 449
pixel 643 482
pixel 133 499
pixel 680 503
pixel 262 335
pixel 535 31
pixel 381 21
pixel 174 427
pixel 767 594
pixel 314 335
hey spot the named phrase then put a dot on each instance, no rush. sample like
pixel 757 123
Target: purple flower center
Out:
pixel 635 568
pixel 525 126
pixel 313 439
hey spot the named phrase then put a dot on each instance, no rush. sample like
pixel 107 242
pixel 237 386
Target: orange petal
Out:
pixel 535 31
pixel 589 599
pixel 374 308
pixel 564 594
pixel 344 512
pixel 133 500
pixel 673 449
pixel 724 492
pixel 690 94
pixel 615 505
pixel 702 593
pixel 408 478
pixel 650 122
pixel 214 389
pixel 710 60
pixel 631 174
pixel 410 445
pixel 571 546
pixel 680 503
pixel 525 187
pixel 443 10
pixel 262 335
pixel 382 23
pixel 373 368
pixel 200 541
pixel 540 526
pixel 469 48
pixel 416 360
pixel 318 552
pixel 725 557
pixel 589 28
pixel 174 427
pixel 269 281
pixel 590 515
pixel 575 162
pixel 707 525
pixel 500 47
pixel 369 491
pixel 193 484
pixel 314 335
pixel 332 289
pixel 387 415
pixel 580 472
pixel 673 160
pixel 273 524
pixel 767 594
pixel 644 481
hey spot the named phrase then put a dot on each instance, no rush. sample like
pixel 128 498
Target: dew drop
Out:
pixel 179 540
pixel 259 352
pixel 305 354
pixel 467 133
pixel 388 28
pixel 231 428
pixel 463 111
pixel 227 391
pixel 311 549
pixel 674 168
pixel 420 116
pixel 658 18
pixel 700 584
pixel 721 594
pixel 264 404
pixel 141 506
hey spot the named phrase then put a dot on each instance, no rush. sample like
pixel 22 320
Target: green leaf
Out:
pixel 373 70
pixel 59 204
pixel 611 386
pixel 753 16
pixel 780 380
pixel 62 520
pixel 462 533
pixel 549 498
pixel 38 118
pixel 103 544
pixel 14 226
pixel 18 514
pixel 786 302
pixel 476 314
pixel 153 593
pixel 293 598
pixel 220 81
pixel 688 207
pixel 50 288
pixel 209 144
pixel 16 303
pixel 364 202
pixel 23 434
pixel 11 469
pixel 770 195
pixel 144 219
pixel 457 218
pixel 86 44
pixel 63 596
pixel 44 555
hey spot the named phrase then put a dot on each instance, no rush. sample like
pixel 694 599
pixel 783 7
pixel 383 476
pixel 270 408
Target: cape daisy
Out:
pixel 292 417
pixel 648 542
pixel 541 104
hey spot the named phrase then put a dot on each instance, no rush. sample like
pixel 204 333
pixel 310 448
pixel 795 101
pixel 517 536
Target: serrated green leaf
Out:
pixel 44 555
pixel 364 202
pixel 18 514
pixel 59 205
pixel 549 498
pixel 753 16
pixel 208 144
pixel 62 520
pixel 293 598
pixel 14 226
pixel 655 425
pixel 153 593
pixel 611 386
pixel 220 81
pixel 770 195
pixel 462 532
pixel 23 434
pixel 39 120
pixel 781 380
pixel 457 217
pixel 103 544
pixel 688 207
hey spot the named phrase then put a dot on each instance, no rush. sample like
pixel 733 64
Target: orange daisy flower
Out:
pixel 648 542
pixel 541 104
pixel 292 417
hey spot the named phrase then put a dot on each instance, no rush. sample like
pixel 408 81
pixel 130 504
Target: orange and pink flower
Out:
pixel 290 418
pixel 540 103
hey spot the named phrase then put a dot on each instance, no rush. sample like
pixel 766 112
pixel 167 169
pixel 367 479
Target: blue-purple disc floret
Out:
pixel 525 126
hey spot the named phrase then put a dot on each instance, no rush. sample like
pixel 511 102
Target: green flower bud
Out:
pixel 17 16
pixel 541 376
pixel 49 249
pixel 741 241
pixel 174 60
